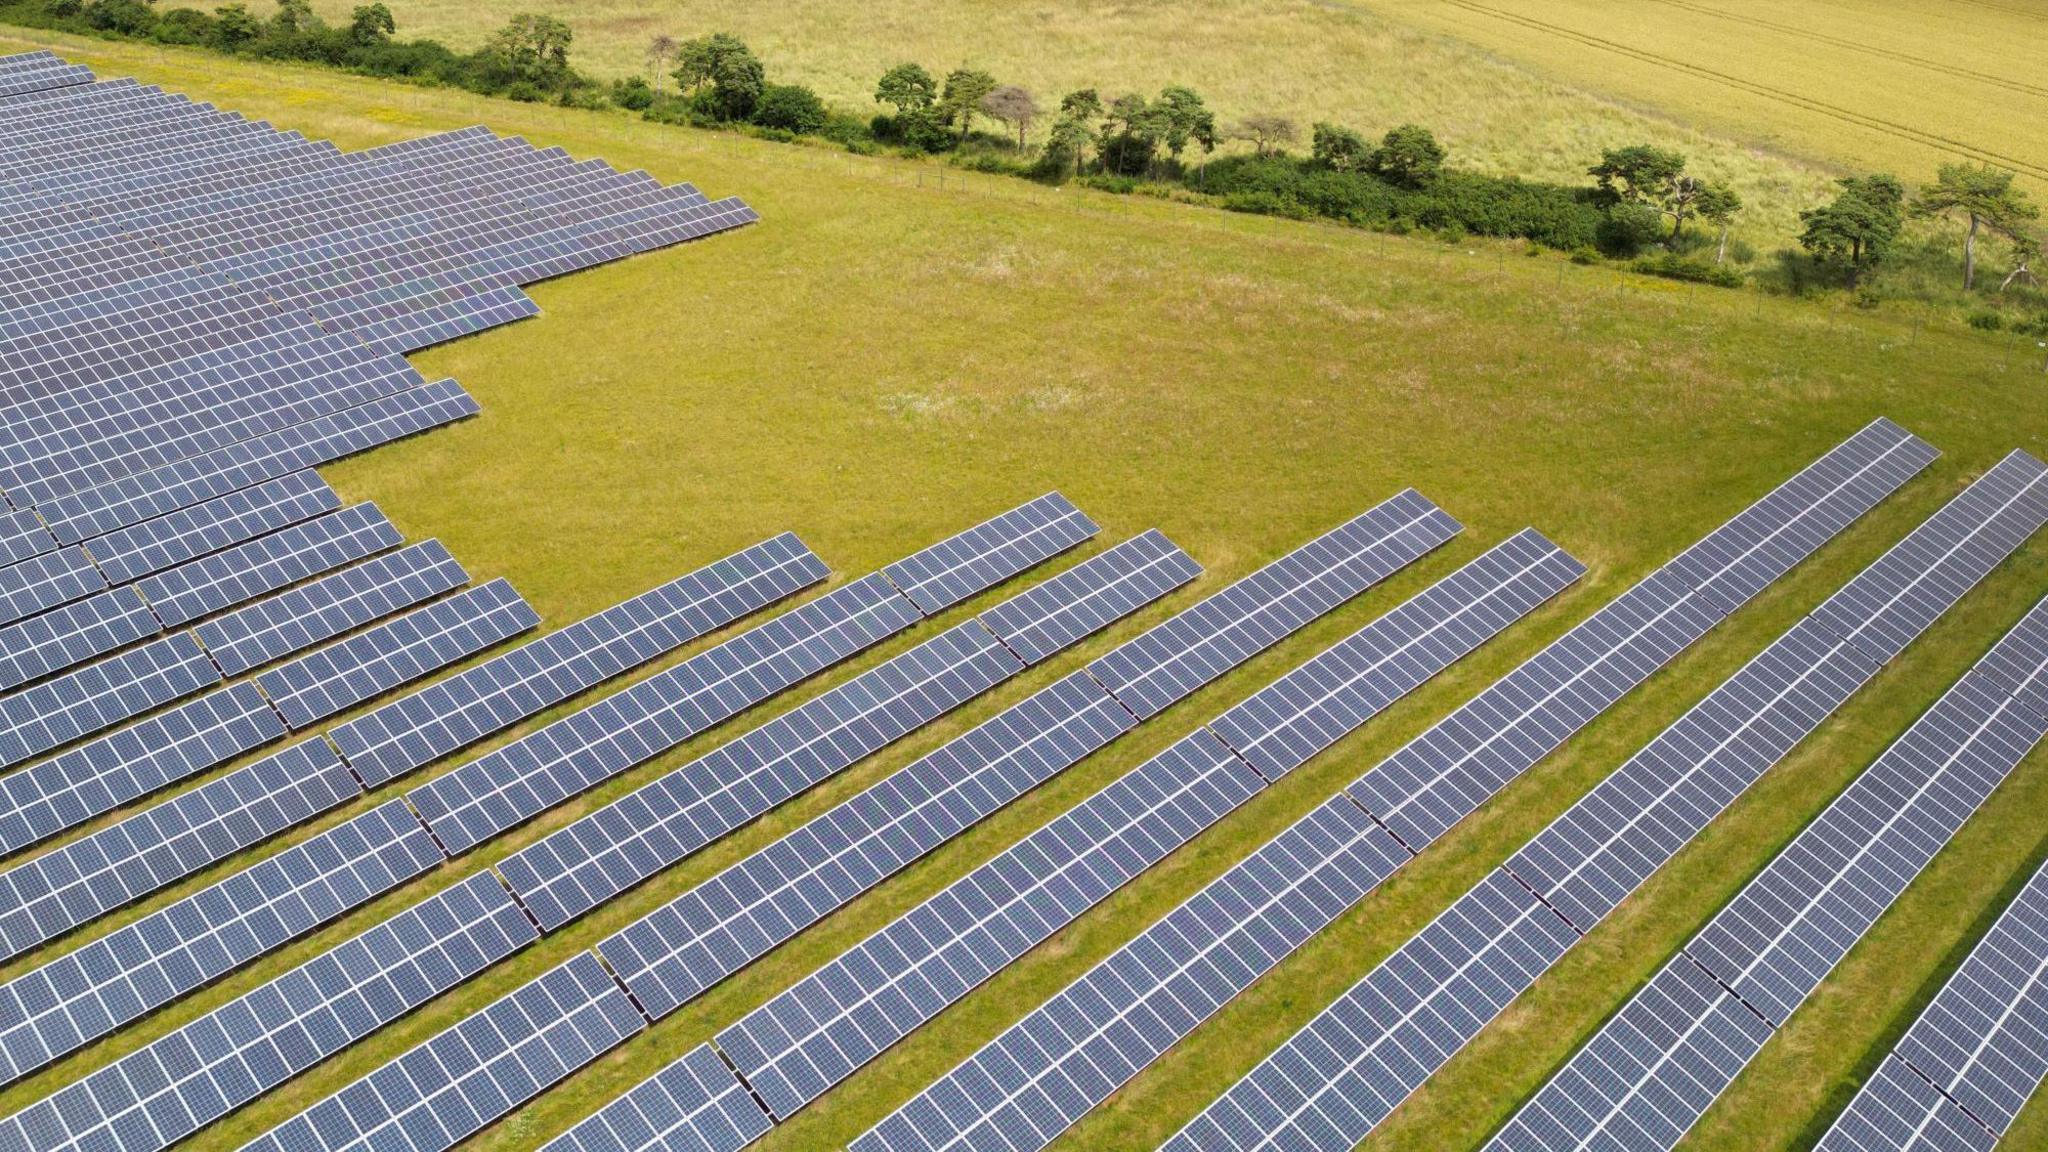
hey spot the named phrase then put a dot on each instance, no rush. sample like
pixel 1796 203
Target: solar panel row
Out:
pixel 213 582
pixel 1352 566
pixel 596 857
pixel 1065 1056
pixel 62 637
pixel 1347 1070
pixel 322 609
pixel 816 1033
pixel 222 522
pixel 1770 947
pixel 259 1057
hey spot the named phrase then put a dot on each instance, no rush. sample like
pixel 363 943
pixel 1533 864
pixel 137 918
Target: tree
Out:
pixel 1184 119
pixel 533 48
pixel 1073 130
pixel 791 107
pixel 908 87
pixel 966 88
pixel 234 25
pixel 661 52
pixel 1132 128
pixel 1637 174
pixel 294 18
pixel 1013 106
pixel 371 24
pixel 1856 230
pixel 1717 205
pixel 1339 148
pixel 1266 131
pixel 2024 249
pixel 1984 196
pixel 1409 156
pixel 723 73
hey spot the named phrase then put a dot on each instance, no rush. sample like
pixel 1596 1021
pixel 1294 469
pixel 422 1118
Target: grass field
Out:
pixel 884 360
pixel 1309 59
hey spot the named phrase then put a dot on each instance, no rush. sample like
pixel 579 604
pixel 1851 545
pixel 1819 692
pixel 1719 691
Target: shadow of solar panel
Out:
pixel 1043 620
pixel 328 607
pixel 1898 1111
pixel 102 774
pixel 178 1083
pixel 55 712
pixel 43 582
pixel 693 1105
pixel 1682 1040
pixel 133 499
pixel 22 535
pixel 1194 647
pixel 618 846
pixel 602 854
pixel 139 967
pixel 209 584
pixel 453 713
pixel 989 553
pixel 366 665
pixel 1068 1054
pixel 73 885
pixel 1337 1079
pixel 223 522
pixel 485 1066
pixel 40 645
pixel 512 784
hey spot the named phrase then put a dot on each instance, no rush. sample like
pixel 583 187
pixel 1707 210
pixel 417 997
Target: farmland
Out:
pixel 887 358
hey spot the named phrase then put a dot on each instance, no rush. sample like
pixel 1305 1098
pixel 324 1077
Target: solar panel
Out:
pixel 523 779
pixel 201 587
pixel 1898 1111
pixel 145 495
pixel 22 535
pixel 188 533
pixel 1980 1040
pixel 473 1073
pixel 100 775
pixel 1042 621
pixel 1162 666
pixel 45 581
pixel 175 1085
pixel 693 1105
pixel 142 966
pixel 450 714
pixel 372 662
pixel 1682 1039
pixel 1040 1075
pixel 297 619
pixel 989 553
pixel 62 637
pixel 85 879
pixel 100 695
pixel 625 842
pixel 1338 1078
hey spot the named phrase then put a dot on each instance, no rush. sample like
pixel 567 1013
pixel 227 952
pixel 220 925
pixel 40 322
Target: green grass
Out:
pixel 884 360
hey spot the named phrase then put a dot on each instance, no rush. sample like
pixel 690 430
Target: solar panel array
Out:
pixel 520 780
pixel 322 609
pixel 816 1033
pixel 197 303
pixel 1064 1057
pixel 578 867
pixel 1770 947
pixel 1131 575
pixel 1963 1071
pixel 1347 1070
pixel 259 1040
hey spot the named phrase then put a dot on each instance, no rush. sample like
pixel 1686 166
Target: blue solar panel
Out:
pixel 22 535
pixel 45 581
pixel 693 1105
pixel 55 640
pixel 55 712
pixel 188 533
pixel 328 607
pixel 450 714
pixel 1041 621
pixel 1897 1110
pixel 201 587
pixel 989 553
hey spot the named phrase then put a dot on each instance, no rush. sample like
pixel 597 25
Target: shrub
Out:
pixel 633 94
pixel 1671 266
pixel 1339 148
pixel 121 17
pixel 1628 229
pixel 1986 321
pixel 790 107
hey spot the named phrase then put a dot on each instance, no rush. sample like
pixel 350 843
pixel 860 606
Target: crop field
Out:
pixel 888 357
pixel 1308 59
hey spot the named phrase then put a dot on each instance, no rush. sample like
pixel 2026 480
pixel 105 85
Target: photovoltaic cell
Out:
pixel 1161 666
pixel 73 885
pixel 62 637
pixel 1897 1110
pixel 188 533
pixel 22 535
pixel 178 1083
pixel 45 581
pixel 100 775
pixel 693 1105
pixel 322 609
pixel 55 712
pixel 413 730
pixel 1041 621
pixel 989 553
pixel 140 967
pixel 473 1073
pixel 201 587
